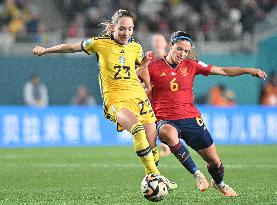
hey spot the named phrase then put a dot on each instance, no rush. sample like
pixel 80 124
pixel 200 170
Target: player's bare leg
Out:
pixel 216 170
pixel 165 150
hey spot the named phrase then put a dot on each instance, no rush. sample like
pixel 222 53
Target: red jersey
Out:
pixel 172 88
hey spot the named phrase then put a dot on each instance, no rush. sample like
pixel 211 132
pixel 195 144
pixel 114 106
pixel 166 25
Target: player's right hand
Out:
pixel 149 55
pixel 38 50
pixel 147 59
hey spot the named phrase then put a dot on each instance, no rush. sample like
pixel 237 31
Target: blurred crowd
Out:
pixel 20 21
pixel 220 95
pixel 204 19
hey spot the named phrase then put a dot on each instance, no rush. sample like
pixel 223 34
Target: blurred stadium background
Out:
pixel 225 32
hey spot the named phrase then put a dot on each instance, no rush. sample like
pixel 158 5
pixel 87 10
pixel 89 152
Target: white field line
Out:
pixel 132 165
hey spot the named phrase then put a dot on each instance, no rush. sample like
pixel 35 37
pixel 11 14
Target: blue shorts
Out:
pixel 192 130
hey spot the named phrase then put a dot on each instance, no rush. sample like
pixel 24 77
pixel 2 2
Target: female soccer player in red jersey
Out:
pixel 171 82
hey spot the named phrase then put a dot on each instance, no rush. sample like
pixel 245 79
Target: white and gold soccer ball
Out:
pixel 154 187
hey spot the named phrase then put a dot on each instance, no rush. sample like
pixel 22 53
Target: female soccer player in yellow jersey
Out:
pixel 125 101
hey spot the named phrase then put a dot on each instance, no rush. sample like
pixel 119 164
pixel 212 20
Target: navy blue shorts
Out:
pixel 192 130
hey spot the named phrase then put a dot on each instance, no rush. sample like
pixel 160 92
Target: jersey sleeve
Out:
pixel 202 68
pixel 88 46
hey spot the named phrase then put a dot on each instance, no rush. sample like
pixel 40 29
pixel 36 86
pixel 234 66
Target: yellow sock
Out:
pixel 142 148
pixel 156 155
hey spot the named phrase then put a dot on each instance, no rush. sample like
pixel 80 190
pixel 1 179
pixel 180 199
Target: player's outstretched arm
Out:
pixel 62 48
pixel 236 71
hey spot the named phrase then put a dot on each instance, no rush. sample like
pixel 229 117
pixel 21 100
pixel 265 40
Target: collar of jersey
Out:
pixel 167 63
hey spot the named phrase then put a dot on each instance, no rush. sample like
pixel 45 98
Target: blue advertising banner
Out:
pixel 86 126
pixel 241 124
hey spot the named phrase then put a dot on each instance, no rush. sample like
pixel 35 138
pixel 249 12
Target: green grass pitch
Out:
pixel 112 175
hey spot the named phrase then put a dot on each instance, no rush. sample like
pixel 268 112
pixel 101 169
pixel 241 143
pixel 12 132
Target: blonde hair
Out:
pixel 117 15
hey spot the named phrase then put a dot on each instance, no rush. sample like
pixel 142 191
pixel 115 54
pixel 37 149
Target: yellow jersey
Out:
pixel 117 77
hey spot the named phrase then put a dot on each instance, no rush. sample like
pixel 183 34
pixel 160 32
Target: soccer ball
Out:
pixel 154 187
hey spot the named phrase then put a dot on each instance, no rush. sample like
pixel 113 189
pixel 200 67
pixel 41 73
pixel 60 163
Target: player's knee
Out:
pixel 168 134
pixel 127 119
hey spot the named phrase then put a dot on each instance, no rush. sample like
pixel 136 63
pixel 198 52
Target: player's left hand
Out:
pixel 259 74
pixel 39 51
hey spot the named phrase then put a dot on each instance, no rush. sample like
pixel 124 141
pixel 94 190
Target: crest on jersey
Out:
pixel 184 71
pixel 122 60
pixel 173 73
pixel 113 109
pixel 163 74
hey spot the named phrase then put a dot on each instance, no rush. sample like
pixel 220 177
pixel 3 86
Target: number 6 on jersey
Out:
pixel 174 85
